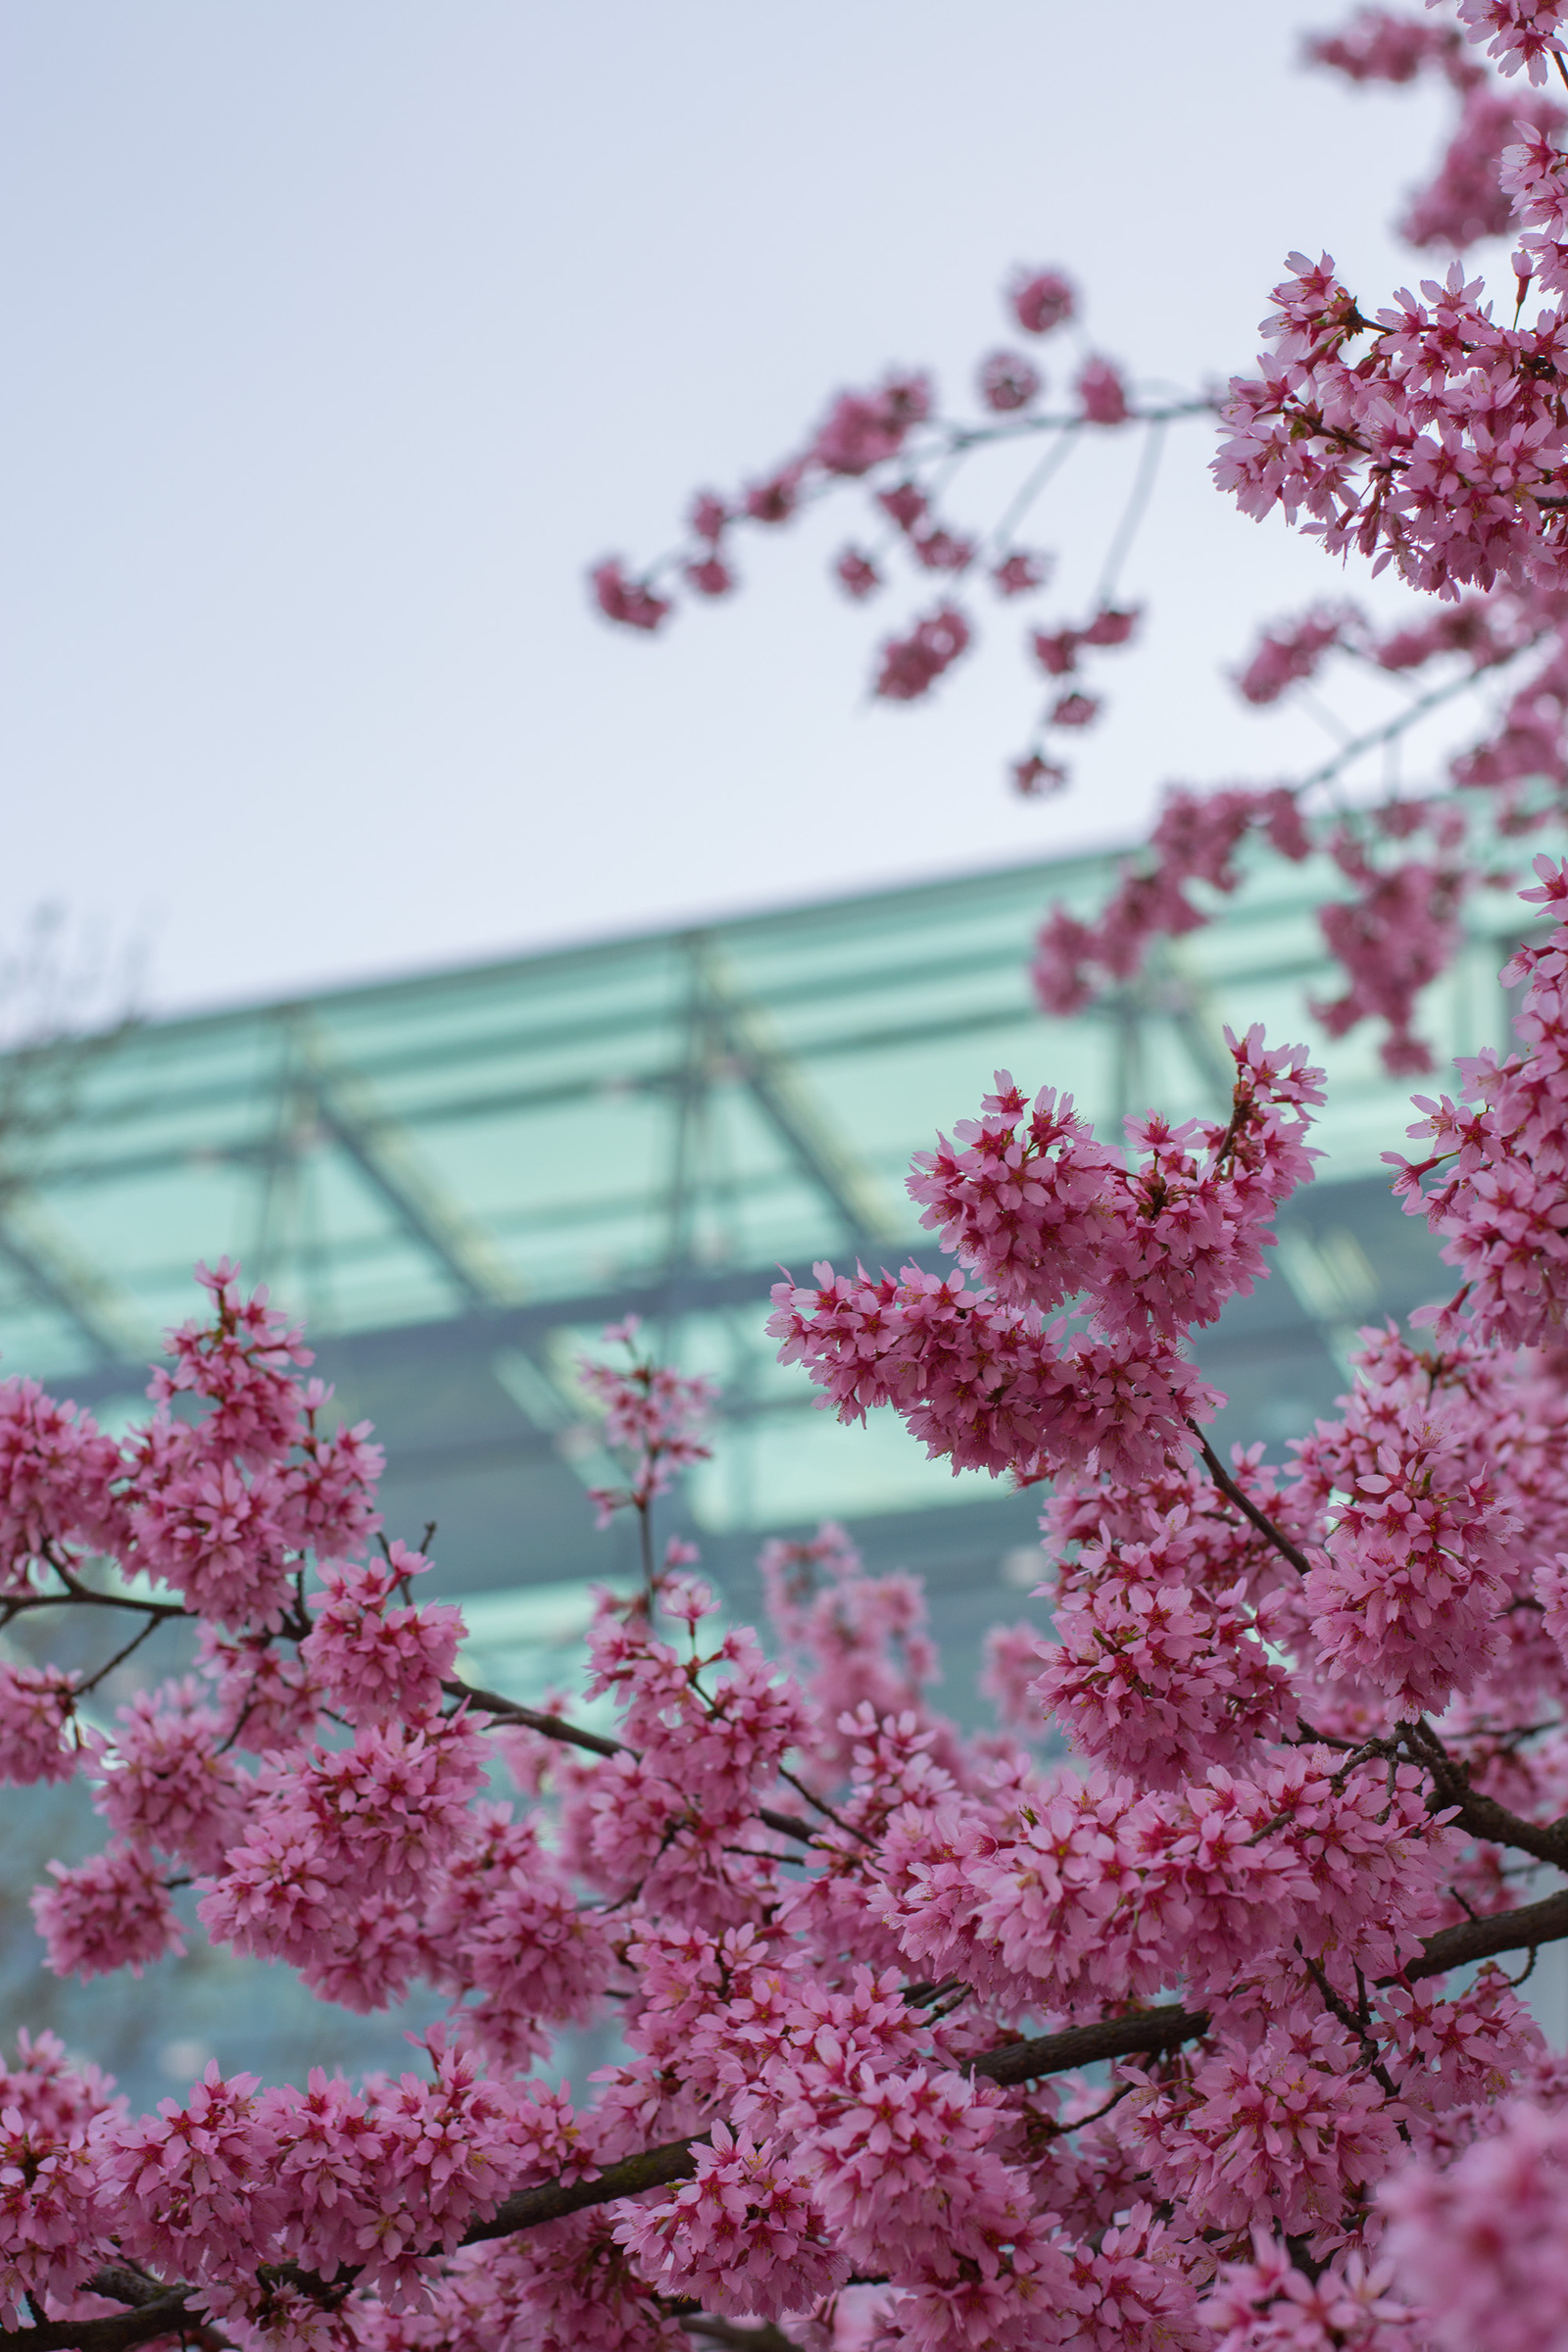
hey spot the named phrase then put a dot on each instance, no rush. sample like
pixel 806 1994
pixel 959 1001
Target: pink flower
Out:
pixel 745 2235
pixel 1101 394
pixel 912 665
pixel 336 1825
pixel 1035 776
pixel 629 602
pixel 710 576
pixel 52 2093
pixel 193 2190
pixel 1040 300
pixel 375 1662
pixel 905 504
pixel 1056 652
pixel 1524 33
pixel 1288 652
pixel 1075 710
pixel 710 517
pixel 165 1782
pixel 51 2237
pixel 210 1530
pixel 1013 1657
pixel 863 430
pixel 1479 2244
pixel 937 549
pixel 1153 1677
pixel 267 1698
pixel 109 1912
pixel 856 574
pixel 243 1364
pixel 1008 381
pixel 1379 46
pixel 1197 837
pixel 37 1708
pixel 1109 626
pixel 1016 574
pixel 56 1473
pixel 776 500
pixel 650 1412
pixel 1409 1592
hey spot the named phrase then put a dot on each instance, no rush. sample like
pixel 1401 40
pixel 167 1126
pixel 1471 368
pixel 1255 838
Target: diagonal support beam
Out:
pixel 57 1278
pixel 379 1150
pixel 772 1078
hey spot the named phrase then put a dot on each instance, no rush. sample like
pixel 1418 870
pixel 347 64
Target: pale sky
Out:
pixel 341 337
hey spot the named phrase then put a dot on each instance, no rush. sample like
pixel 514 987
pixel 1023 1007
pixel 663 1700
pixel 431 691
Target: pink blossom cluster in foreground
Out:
pixel 1149 2039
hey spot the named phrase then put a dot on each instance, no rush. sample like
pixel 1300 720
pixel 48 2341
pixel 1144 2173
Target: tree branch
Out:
pixel 764 2338
pixel 551 1726
pixel 1149 2031
pixel 574 1735
pixel 1156 2030
pixel 1249 1509
pixel 1479 1814
pixel 169 2311
pixel 553 2200
pixel 1520 1930
pixel 159 2310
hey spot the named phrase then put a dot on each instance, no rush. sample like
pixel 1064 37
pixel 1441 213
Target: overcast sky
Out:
pixel 340 337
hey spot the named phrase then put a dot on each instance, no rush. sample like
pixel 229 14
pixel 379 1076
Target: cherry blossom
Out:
pixel 1148 2017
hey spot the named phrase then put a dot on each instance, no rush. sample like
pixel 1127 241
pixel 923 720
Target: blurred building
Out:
pixel 458 1179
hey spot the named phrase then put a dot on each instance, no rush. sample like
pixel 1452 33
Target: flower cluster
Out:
pixel 894 445
pixel 1043 1213
pixel 852 1959
pixel 651 1413
pixel 1431 436
pixel 1498 1156
pixel 1313 1708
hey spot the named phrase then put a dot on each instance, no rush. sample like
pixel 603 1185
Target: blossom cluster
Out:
pixel 894 445
pixel 652 1415
pixel 1491 1181
pixel 1430 438
pixel 1026 1198
pixel 852 1953
pixel 1284 1758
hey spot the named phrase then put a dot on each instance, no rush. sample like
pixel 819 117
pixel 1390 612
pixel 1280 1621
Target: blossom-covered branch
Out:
pixel 1430 435
pixel 1288 1746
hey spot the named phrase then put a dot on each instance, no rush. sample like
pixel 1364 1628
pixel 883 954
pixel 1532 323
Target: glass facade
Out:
pixel 457 1180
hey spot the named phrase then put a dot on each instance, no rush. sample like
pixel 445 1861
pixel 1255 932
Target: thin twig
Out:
pixel 1249 1509
pixel 119 1657
pixel 1401 722
pixel 1132 514
pixel 1147 2033
pixel 599 1743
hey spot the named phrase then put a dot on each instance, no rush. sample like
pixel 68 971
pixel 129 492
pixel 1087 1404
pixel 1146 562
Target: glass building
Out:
pixel 456 1180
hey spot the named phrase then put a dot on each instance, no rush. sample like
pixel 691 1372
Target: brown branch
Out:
pixel 159 2310
pixel 1249 1509
pixel 82 1596
pixel 1483 1817
pixel 1145 2033
pixel 764 2338
pixel 574 1735
pixel 553 1727
pixel 1520 1930
pixel 1155 2030
pixel 1479 1815
pixel 171 2310
pixel 650 2167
